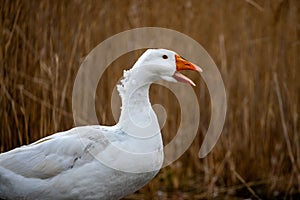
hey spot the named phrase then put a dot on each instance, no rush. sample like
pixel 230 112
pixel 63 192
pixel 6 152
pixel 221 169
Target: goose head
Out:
pixel 162 64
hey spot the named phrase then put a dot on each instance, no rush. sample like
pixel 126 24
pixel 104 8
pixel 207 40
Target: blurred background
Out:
pixel 255 44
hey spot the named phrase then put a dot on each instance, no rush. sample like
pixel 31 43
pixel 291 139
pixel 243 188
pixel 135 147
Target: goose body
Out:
pixel 98 162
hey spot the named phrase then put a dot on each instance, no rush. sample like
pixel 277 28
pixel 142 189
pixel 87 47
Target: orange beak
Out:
pixel 182 64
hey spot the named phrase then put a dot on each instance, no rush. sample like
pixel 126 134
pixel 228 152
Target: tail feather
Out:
pixel 5 183
pixel 12 186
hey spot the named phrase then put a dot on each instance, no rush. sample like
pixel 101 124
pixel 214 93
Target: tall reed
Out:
pixel 255 44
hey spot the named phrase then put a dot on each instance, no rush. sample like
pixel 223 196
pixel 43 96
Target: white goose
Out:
pixel 98 162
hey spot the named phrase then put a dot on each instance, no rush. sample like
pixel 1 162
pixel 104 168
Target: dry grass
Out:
pixel 255 43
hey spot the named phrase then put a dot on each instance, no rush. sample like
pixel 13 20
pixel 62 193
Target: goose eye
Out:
pixel 164 56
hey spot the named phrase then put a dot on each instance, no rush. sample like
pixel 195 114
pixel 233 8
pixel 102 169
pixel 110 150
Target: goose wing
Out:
pixel 55 154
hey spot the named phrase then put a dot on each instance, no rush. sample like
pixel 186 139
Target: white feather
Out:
pixel 95 162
